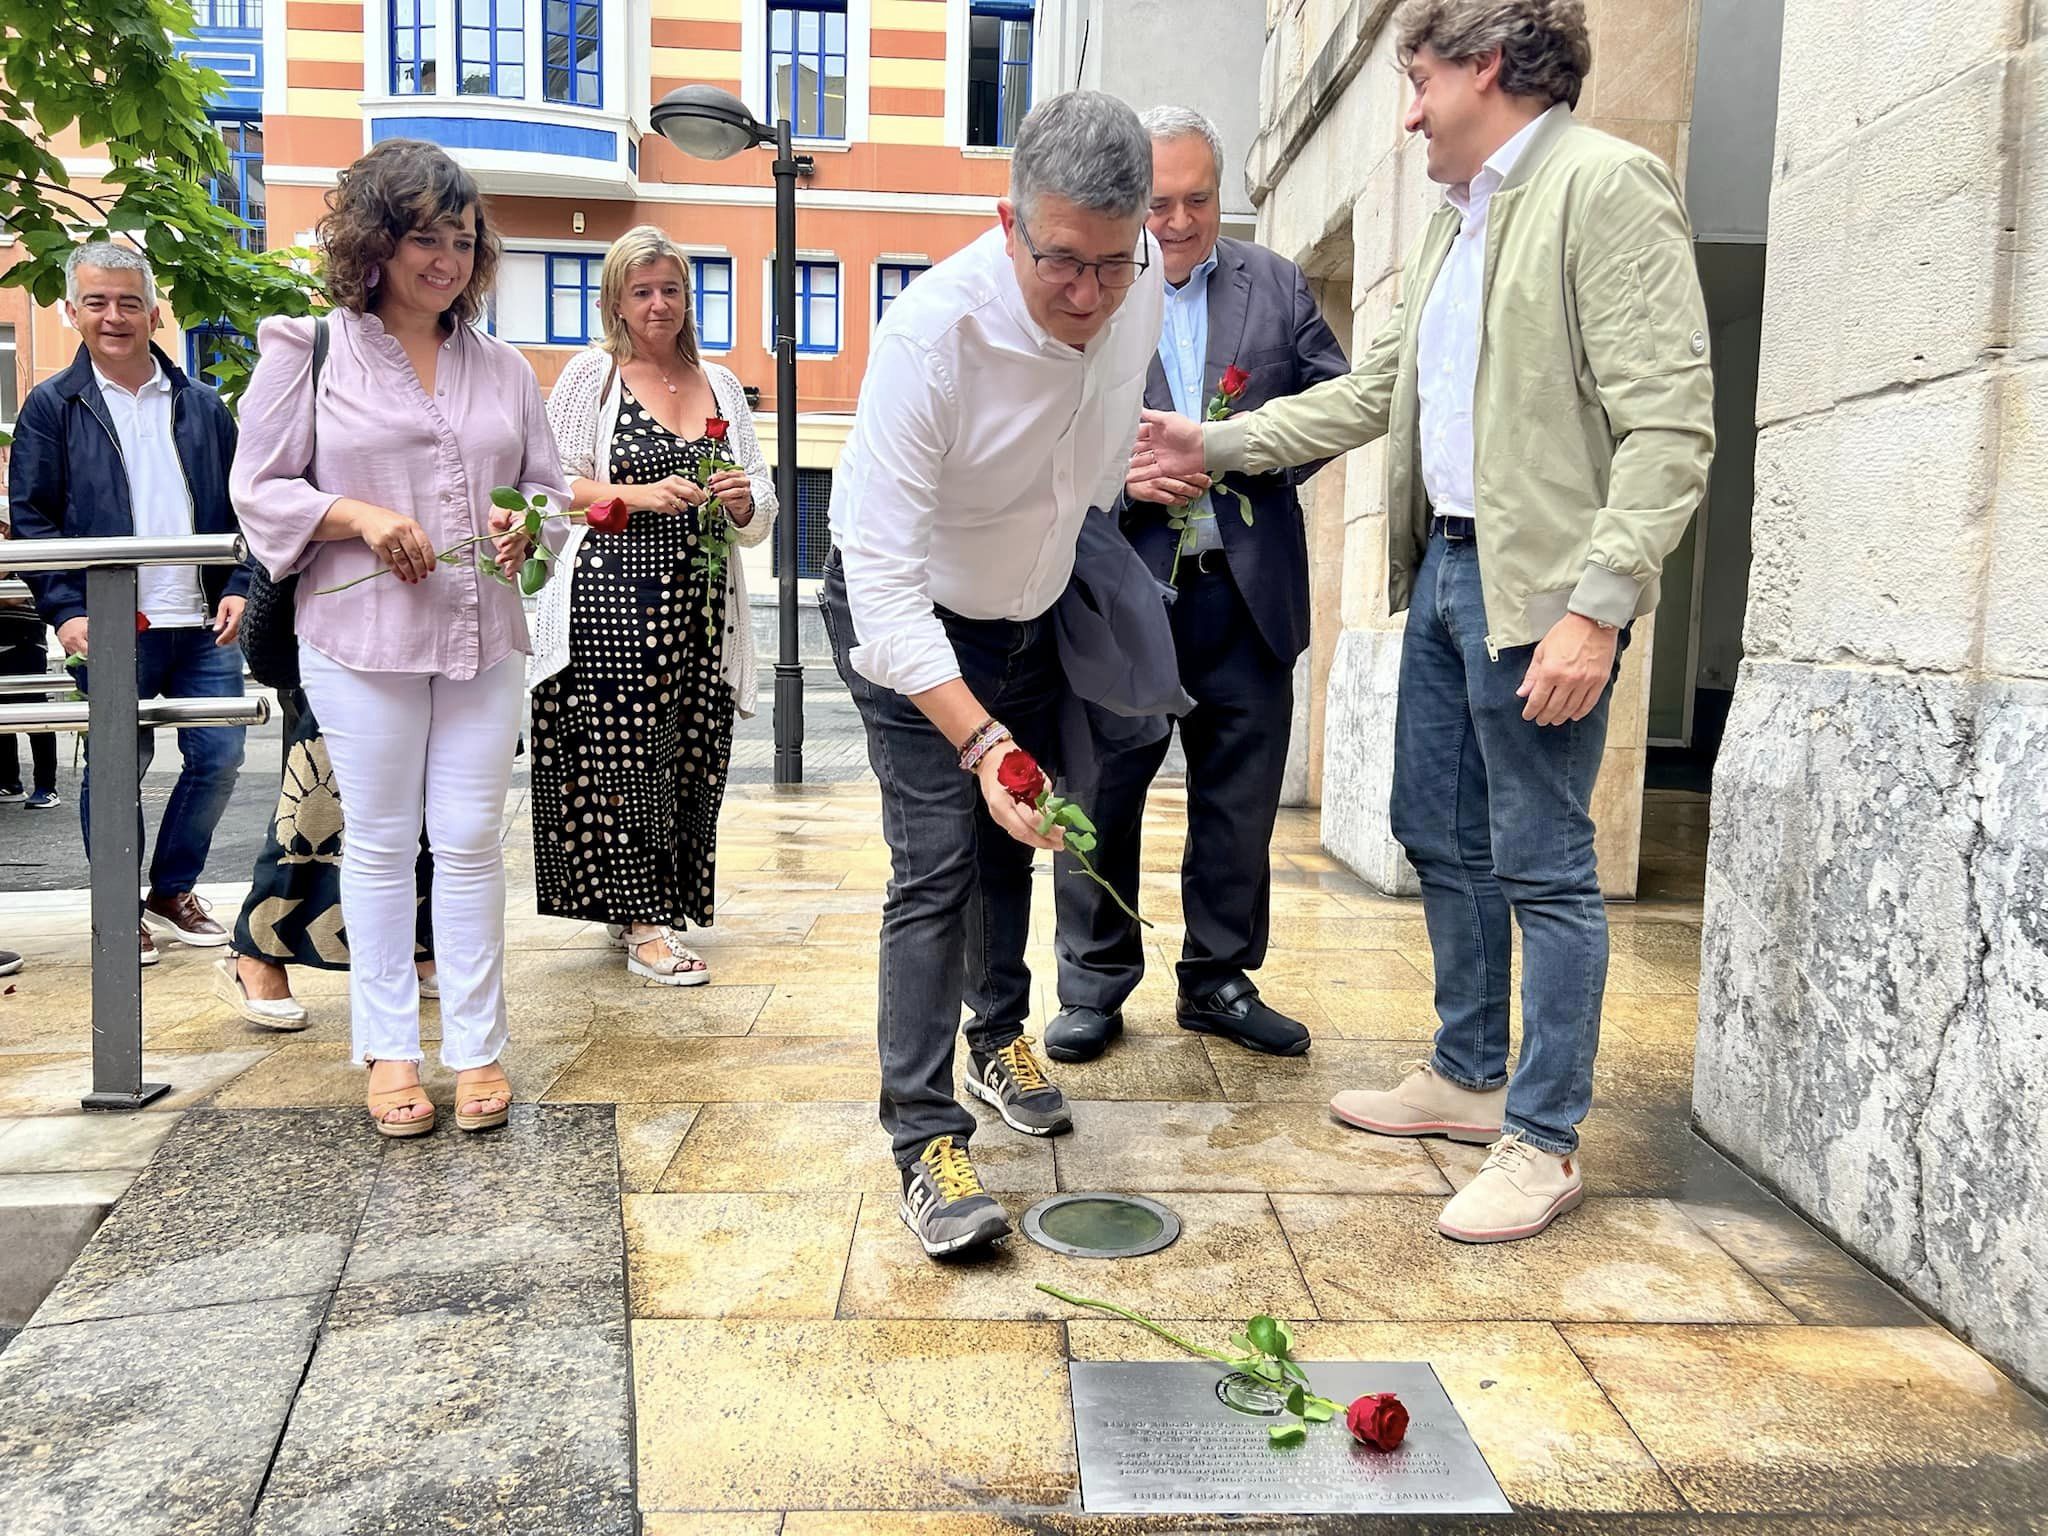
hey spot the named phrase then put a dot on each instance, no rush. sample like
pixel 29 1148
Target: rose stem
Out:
pixel 1143 1322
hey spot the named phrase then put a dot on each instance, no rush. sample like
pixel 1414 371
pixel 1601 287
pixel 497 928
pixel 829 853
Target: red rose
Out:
pixel 608 516
pixel 714 428
pixel 1378 1420
pixel 141 622
pixel 1234 381
pixel 1020 774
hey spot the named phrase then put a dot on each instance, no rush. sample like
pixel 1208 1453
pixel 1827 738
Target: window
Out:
pixel 711 293
pixel 205 346
pixel 807 66
pixel 230 15
pixel 412 47
pixel 572 52
pixel 240 191
pixel 998 70
pixel 813 525
pixel 573 287
pixel 10 381
pixel 817 306
pixel 891 278
pixel 492 58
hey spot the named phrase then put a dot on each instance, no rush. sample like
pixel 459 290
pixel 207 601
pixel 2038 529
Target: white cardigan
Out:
pixel 583 409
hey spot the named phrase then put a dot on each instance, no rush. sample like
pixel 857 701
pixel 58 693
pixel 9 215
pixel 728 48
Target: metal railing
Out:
pixel 114 715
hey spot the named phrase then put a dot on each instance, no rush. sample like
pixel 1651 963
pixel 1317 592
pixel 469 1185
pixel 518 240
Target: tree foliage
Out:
pixel 108 70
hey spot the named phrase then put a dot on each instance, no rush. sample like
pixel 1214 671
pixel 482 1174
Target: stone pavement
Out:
pixel 1682 1354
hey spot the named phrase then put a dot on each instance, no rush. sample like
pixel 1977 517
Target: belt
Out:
pixel 1207 562
pixel 1456 530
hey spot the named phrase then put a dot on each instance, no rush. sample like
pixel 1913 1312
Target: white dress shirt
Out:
pixel 169 596
pixel 979 444
pixel 1447 349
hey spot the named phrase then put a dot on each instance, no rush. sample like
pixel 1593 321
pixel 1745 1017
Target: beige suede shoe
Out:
pixel 1425 1105
pixel 1518 1192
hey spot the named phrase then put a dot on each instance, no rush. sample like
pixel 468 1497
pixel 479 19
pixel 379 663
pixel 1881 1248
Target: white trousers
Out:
pixel 408 746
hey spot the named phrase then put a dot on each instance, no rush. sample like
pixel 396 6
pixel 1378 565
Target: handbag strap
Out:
pixel 319 362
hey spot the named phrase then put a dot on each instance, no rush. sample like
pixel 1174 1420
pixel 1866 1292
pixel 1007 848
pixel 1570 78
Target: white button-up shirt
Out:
pixel 168 595
pixel 1447 348
pixel 979 444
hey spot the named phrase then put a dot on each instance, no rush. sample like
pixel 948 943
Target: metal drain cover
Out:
pixel 1101 1226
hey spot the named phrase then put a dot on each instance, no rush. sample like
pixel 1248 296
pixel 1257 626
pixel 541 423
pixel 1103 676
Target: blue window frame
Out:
pixel 205 346
pixel 711 294
pixel 491 56
pixel 807 66
pixel 229 15
pixel 573 287
pixel 412 47
pixel 891 278
pixel 240 191
pixel 817 307
pixel 998 70
pixel 572 49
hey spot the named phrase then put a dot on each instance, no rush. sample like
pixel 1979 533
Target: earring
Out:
pixel 370 277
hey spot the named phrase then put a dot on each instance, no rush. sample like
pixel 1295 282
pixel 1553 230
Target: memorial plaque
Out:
pixel 1187 1437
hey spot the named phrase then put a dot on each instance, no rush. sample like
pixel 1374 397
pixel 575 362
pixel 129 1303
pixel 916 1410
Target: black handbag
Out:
pixel 270 627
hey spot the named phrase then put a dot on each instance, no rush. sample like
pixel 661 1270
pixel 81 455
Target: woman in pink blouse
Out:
pixel 416 675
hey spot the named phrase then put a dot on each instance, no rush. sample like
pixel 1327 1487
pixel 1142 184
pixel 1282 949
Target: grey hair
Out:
pixel 1545 50
pixel 108 257
pixel 1184 123
pixel 1087 147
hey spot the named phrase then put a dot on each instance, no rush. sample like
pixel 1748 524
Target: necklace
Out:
pixel 665 379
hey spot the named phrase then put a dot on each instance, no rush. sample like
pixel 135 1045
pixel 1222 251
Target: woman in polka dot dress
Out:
pixel 642 649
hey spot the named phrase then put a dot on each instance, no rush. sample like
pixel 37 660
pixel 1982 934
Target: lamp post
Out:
pixel 710 124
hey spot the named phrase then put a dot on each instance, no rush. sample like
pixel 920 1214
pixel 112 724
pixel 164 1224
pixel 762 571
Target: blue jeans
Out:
pixel 1495 812
pixel 958 908
pixel 181 664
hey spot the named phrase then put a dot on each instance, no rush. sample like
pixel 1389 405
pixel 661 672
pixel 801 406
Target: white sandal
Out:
pixel 280 1013
pixel 672 969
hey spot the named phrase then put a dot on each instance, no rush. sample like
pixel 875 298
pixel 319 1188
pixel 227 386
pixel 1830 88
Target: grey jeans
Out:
pixel 958 909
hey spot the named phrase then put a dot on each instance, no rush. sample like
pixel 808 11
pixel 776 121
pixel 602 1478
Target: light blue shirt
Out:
pixel 1183 352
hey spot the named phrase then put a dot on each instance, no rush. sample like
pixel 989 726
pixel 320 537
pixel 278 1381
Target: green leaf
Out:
pixel 1071 815
pixel 1081 842
pixel 533 575
pixel 1318 1410
pixel 1286 1436
pixel 1269 1335
pixel 1297 1403
pixel 532 524
pixel 1266 1370
pixel 505 499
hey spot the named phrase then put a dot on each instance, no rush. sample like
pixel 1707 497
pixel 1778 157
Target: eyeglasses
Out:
pixel 1119 272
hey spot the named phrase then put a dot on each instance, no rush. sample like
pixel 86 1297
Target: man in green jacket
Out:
pixel 1548 403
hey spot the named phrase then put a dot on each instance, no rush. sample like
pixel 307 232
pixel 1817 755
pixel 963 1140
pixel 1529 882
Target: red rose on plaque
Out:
pixel 608 516
pixel 715 428
pixel 1020 774
pixel 1377 1420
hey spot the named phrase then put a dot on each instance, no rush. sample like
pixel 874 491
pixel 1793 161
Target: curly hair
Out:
pixel 401 185
pixel 1545 50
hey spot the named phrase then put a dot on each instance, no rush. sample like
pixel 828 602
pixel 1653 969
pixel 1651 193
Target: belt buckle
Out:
pixel 1202 564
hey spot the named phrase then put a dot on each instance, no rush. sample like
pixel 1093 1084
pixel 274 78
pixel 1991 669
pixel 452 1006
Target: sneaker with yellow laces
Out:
pixel 1011 1080
pixel 944 1203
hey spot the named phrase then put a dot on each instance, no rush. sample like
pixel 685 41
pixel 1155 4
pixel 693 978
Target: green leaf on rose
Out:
pixel 1318 1410
pixel 1269 1336
pixel 508 500
pixel 533 523
pixel 1071 815
pixel 533 575
pixel 1286 1436
pixel 1081 842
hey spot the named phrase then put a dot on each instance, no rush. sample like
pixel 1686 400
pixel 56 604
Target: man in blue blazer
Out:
pixel 1240 619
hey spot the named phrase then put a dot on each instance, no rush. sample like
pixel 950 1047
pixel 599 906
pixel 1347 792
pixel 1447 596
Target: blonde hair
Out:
pixel 638 247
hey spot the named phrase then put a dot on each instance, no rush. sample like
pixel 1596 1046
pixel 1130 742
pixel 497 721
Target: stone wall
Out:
pixel 1874 1000
pixel 1334 172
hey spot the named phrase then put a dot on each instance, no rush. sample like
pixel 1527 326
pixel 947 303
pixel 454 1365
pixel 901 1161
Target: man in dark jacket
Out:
pixel 121 442
pixel 1240 619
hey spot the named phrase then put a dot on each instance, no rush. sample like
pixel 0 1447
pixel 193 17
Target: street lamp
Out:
pixel 710 124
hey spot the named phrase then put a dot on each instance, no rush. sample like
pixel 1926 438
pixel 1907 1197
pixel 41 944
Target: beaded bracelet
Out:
pixel 986 738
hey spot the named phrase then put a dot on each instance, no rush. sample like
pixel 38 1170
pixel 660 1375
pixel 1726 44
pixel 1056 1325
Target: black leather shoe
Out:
pixel 1235 1012
pixel 1081 1034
